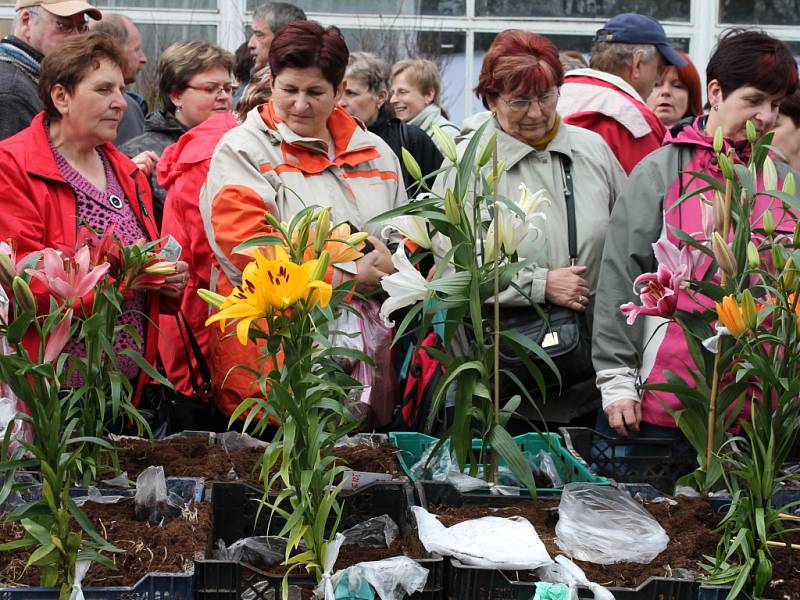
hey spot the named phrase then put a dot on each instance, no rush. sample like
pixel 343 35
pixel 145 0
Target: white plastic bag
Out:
pixel 10 405
pixel 487 543
pixel 604 525
pixel 563 570
pixel 392 578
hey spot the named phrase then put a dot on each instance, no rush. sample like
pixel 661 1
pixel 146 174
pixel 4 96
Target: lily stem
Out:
pixel 496 349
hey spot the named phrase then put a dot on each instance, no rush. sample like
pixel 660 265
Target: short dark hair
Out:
pixel 244 63
pixel 791 107
pixel 278 14
pixel 306 44
pixel 70 62
pixel 747 57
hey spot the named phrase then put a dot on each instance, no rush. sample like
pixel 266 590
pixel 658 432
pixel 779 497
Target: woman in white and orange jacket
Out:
pixel 299 149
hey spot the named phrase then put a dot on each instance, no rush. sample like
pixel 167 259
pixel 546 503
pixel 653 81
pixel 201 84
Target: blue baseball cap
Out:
pixel 633 28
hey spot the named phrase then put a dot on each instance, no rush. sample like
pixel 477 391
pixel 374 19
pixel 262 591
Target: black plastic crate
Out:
pixel 235 505
pixel 657 461
pixel 490 584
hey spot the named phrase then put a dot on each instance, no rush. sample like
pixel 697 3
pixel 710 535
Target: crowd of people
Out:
pixel 296 117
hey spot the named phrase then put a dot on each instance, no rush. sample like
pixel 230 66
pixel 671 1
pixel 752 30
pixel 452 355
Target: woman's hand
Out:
pixel 566 287
pixel 175 284
pixel 624 416
pixel 146 161
pixel 373 266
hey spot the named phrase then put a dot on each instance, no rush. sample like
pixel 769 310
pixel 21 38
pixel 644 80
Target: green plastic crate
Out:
pixel 413 445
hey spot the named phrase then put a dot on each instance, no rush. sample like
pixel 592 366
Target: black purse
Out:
pixel 562 332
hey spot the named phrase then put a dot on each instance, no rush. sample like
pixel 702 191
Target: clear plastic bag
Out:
pixel 604 525
pixel 544 464
pixel 261 552
pixel 391 579
pixel 152 502
pixel 10 405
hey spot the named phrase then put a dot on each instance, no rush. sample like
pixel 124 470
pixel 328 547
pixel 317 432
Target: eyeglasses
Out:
pixel 67 27
pixel 524 104
pixel 215 89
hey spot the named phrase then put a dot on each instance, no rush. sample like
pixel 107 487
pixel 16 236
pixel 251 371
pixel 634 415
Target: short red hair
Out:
pixel 519 63
pixel 691 79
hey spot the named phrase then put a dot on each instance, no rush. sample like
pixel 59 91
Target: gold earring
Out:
pixel 716 107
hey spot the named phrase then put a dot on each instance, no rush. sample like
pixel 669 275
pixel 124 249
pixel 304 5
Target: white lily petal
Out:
pixel 405 287
pixel 414 228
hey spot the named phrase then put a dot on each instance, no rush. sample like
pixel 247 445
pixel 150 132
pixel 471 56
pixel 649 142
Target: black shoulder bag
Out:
pixel 563 333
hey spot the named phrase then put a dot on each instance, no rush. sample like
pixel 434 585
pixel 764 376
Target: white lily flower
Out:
pixel 405 287
pixel 512 228
pixel 412 227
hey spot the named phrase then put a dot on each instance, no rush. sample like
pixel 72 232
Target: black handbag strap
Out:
pixel 569 196
pixel 202 389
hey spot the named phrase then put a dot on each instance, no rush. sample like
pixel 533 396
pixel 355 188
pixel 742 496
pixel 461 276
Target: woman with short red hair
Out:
pixel 519 83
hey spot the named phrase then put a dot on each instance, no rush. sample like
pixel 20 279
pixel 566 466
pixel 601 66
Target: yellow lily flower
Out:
pixel 732 316
pixel 268 286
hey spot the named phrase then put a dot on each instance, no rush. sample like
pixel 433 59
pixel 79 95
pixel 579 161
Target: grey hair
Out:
pixel 114 25
pixel 369 68
pixel 278 14
pixel 613 57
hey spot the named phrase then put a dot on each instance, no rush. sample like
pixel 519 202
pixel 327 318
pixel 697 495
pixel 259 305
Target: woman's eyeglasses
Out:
pixel 524 104
pixel 215 89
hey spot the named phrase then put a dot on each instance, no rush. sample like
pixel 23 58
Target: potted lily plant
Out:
pixel 473 234
pixel 744 340
pixel 68 397
pixel 285 305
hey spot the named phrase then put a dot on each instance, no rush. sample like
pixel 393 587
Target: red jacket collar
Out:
pixel 40 162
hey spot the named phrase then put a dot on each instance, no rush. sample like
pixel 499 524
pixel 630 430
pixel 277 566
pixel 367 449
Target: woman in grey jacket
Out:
pixel 519 84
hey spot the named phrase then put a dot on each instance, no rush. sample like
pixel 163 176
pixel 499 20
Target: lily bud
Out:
pixel 451 209
pixel 322 266
pixel 162 267
pixel 789 276
pixel 488 149
pixel 769 175
pixel 768 222
pixel 211 298
pixel 323 229
pixel 753 258
pixel 718 211
pixel 718 140
pixel 789 186
pixel 411 164
pixel 490 179
pixel 722 252
pixel 777 257
pixel 749 311
pixel 357 239
pixel 796 235
pixel 23 295
pixel 445 143
pixel 7 270
pixel 726 165
pixel 750 131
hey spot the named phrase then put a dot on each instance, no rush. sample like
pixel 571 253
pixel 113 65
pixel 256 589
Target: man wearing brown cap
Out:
pixel 38 27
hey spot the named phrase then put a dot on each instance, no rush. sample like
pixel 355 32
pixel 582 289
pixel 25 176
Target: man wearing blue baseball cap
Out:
pixel 609 97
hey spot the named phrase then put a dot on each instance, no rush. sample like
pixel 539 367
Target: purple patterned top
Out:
pixel 98 210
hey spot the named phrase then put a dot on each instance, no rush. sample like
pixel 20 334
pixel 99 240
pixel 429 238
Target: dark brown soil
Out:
pixel 193 457
pixel 147 548
pixel 382 459
pixel 689 525
pixel 180 457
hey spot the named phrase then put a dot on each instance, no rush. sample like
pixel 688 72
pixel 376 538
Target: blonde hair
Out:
pixel 183 60
pixel 423 74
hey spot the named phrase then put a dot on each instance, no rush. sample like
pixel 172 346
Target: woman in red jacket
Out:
pixel 63 172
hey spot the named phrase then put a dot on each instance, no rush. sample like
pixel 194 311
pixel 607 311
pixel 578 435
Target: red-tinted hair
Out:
pixel 691 79
pixel 752 58
pixel 519 63
pixel 307 44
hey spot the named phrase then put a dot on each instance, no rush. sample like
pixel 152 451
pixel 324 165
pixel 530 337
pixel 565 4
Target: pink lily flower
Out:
pixel 58 338
pixel 103 248
pixel 658 292
pixel 69 279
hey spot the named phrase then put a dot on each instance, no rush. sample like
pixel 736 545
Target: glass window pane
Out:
pixel 185 4
pixel 763 12
pixel 387 8
pixel 446 49
pixel 155 38
pixel 676 10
